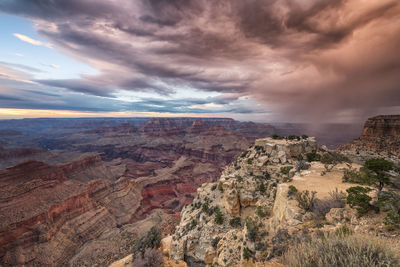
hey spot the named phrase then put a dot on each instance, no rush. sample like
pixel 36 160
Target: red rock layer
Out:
pixel 44 218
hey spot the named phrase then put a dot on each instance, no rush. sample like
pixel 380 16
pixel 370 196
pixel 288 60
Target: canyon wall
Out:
pixel 381 135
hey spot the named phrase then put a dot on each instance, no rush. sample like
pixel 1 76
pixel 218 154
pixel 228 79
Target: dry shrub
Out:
pixel 151 258
pixel 337 199
pixel 341 251
pixel 306 199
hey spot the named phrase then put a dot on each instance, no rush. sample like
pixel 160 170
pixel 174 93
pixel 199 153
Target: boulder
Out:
pixel 342 215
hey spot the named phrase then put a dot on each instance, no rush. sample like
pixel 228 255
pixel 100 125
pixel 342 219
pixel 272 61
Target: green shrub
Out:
pixel 205 207
pixel 213 187
pixel 306 200
pixel 244 154
pixel 327 159
pixel 276 137
pixel 304 136
pixel 292 190
pixel 363 176
pixel 219 218
pixel 393 218
pixel 285 170
pixel 247 253
pixel 262 212
pixel 293 137
pixel 220 188
pixel 249 161
pixel 239 178
pixel 151 240
pixel 313 156
pixel 235 222
pixel 262 188
pixel 379 165
pixel 259 148
pixel 334 158
pixel 341 251
pixel 357 197
pixel 251 229
pixel 389 201
pixel 193 224
pixel 215 241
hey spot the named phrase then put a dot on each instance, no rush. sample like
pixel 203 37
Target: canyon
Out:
pixel 82 195
pixel 80 192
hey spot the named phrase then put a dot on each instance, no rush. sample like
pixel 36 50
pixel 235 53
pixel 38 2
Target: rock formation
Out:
pixel 381 135
pixel 228 218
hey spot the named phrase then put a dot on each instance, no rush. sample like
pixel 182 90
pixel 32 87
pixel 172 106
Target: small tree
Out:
pixel 357 197
pixel 380 167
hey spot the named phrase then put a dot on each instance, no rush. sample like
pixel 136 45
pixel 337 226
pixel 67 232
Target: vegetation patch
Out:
pixel 292 190
pixel 341 251
pixel 285 170
pixel 252 229
pixel 235 222
pixel 358 197
pixel 276 137
pixel 313 156
pixel 306 199
pixel 151 240
pixel 262 188
pixel 219 218
pixel 262 212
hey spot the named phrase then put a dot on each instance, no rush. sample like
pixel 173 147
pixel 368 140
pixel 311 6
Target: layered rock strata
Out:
pixel 381 135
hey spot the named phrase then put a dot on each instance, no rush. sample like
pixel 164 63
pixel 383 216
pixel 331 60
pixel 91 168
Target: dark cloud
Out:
pixel 314 58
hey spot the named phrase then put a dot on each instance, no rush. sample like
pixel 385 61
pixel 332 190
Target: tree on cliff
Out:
pixel 379 167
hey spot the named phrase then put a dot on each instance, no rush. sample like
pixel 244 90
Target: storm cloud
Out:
pixel 301 59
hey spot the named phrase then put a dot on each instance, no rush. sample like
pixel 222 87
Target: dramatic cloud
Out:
pixel 301 58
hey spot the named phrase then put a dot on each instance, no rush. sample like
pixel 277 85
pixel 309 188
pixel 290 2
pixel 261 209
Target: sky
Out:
pixel 276 60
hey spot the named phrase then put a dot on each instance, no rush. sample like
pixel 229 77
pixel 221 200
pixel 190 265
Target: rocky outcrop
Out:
pixel 381 134
pixel 381 126
pixel 236 215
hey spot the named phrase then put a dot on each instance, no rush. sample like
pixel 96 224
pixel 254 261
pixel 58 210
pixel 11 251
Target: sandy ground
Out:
pixel 312 180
